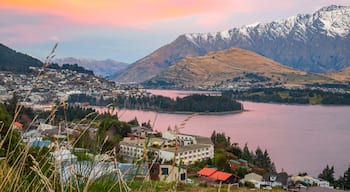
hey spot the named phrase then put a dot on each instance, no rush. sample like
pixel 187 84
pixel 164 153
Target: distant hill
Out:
pixel 231 66
pixel 11 60
pixel 342 75
pixel 104 68
pixel 318 42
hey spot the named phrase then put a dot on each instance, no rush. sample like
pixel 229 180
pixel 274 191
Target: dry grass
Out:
pixel 342 75
pixel 215 67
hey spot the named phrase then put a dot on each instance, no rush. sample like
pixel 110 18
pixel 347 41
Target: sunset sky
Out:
pixel 127 30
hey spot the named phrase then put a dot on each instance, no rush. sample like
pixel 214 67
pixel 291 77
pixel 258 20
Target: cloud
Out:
pixel 124 13
pixel 134 27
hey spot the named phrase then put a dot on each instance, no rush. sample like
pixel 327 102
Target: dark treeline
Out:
pixel 68 113
pixel 292 96
pixel 193 103
pixel 72 67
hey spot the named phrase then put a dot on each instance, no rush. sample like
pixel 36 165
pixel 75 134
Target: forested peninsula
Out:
pixel 194 103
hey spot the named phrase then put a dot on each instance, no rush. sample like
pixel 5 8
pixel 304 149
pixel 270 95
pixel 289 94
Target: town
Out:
pixel 167 157
pixel 97 144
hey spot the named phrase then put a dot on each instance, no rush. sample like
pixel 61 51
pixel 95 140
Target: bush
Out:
pixel 249 184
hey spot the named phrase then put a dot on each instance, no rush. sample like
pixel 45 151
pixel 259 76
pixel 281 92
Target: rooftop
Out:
pixel 206 171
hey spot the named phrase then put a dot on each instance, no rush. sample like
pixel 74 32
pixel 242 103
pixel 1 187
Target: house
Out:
pixel 206 172
pixel 167 173
pixel 142 132
pixel 210 175
pixel 253 178
pixel 311 181
pixel 276 179
pixel 240 163
pixel 223 177
pixel 187 148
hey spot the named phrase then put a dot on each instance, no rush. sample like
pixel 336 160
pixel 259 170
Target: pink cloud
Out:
pixel 123 12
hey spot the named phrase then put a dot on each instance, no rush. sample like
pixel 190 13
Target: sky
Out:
pixel 127 30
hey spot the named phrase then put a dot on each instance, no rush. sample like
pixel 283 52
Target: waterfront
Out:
pixel 298 137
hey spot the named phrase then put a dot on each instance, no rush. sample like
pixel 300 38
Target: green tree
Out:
pixel 346 179
pixel 134 122
pixel 246 154
pixel 111 131
pixel 327 174
pixel 12 104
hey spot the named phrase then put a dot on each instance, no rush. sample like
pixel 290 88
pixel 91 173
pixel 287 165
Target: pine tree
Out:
pixel 246 155
pixel 346 178
pixel 327 174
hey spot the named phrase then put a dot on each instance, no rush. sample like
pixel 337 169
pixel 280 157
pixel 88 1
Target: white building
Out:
pixel 311 181
pixel 189 149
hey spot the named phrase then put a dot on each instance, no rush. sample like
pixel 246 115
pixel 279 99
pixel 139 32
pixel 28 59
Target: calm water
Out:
pixel 298 137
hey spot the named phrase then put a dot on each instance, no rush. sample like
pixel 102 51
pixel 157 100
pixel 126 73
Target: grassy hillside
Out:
pixel 342 75
pixel 233 65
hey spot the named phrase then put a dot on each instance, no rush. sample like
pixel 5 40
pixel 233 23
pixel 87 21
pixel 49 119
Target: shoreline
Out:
pixel 178 112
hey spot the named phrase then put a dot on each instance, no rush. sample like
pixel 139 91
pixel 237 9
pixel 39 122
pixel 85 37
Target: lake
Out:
pixel 299 138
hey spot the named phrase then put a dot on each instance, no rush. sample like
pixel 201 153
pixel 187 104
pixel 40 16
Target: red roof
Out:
pixel 18 124
pixel 206 171
pixel 221 176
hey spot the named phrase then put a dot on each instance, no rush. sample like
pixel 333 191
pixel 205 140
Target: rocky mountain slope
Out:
pixel 231 66
pixel 104 68
pixel 318 42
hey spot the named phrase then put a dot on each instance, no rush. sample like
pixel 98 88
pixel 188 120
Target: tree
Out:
pixel 12 104
pixel 134 122
pixel 246 153
pixel 327 174
pixel 346 179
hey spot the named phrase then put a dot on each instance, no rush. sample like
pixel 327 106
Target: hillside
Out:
pixel 104 68
pixel 231 66
pixel 318 42
pixel 342 75
pixel 16 62
pixel 157 61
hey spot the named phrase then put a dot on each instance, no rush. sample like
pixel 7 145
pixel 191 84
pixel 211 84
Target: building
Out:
pixel 213 176
pixel 312 181
pixel 240 163
pixel 188 148
pixel 142 132
pixel 276 179
pixel 252 176
pixel 167 173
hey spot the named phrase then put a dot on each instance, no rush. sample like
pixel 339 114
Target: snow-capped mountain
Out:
pixel 318 42
pixel 104 68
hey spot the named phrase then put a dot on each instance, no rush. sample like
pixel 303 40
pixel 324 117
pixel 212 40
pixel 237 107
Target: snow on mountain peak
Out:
pixel 332 21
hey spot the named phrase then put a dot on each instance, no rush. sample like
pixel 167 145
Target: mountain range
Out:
pixel 318 42
pixel 103 68
pixel 229 67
